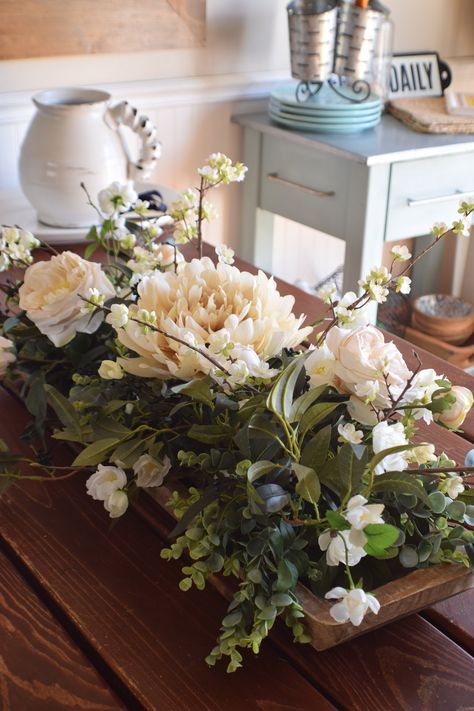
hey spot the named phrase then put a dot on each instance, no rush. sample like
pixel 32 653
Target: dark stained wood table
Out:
pixel 91 618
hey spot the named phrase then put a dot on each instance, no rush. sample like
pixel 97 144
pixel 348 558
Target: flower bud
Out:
pixel 455 415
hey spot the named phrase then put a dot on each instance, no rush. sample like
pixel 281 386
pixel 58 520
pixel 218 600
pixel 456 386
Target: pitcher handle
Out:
pixel 125 115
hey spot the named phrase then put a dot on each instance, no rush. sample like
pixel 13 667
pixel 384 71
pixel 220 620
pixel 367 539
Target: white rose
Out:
pixel 110 370
pixel 335 547
pixel 359 513
pixel 6 355
pixel 150 472
pixel 385 436
pixel 363 356
pixel 105 481
pixel 51 296
pixel 353 606
pixel 116 504
pixel 456 414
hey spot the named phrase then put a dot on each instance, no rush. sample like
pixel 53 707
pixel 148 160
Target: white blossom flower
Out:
pixel 220 169
pixel 15 247
pixel 326 293
pixel 239 372
pixel 319 366
pixel 336 543
pixel 51 295
pixel 350 318
pixel 385 436
pixel 117 197
pixel 403 285
pixel 225 254
pixel 349 433
pixel 94 299
pixel 116 504
pixel 118 315
pixel 400 253
pixel 149 471
pixel 360 514
pixel 105 481
pixel 219 341
pixel 128 241
pixel 6 354
pixel 423 454
pixel 202 299
pixel 454 486
pixel 110 370
pixel 368 390
pixel 439 228
pixel 353 605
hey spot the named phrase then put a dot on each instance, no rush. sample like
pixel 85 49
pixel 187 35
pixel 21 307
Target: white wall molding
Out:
pixel 16 106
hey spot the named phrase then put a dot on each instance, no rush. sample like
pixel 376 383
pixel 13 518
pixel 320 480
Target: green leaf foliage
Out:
pixel 95 453
pixel 65 412
pixel 280 398
pixel 315 451
pixel 400 483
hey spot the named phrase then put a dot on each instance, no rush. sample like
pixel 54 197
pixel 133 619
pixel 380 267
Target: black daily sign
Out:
pixel 418 74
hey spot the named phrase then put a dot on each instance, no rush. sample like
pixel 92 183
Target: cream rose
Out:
pixel 363 366
pixel 199 302
pixel 6 355
pixel 456 414
pixel 105 481
pixel 116 504
pixel 149 471
pixel 51 296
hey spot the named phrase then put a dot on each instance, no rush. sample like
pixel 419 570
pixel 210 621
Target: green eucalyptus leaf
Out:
pixel 400 483
pixel 281 599
pixel 456 510
pixel 287 576
pixel 273 497
pixel 96 452
pixel 437 501
pixel 280 398
pixel 408 557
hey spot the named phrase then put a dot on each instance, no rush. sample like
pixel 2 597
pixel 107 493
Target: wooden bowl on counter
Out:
pixel 444 316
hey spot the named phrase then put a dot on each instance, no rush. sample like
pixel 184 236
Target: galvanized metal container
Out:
pixel 356 42
pixel 312 39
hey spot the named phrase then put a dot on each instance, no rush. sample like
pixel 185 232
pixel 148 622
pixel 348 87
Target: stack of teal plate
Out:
pixel 326 112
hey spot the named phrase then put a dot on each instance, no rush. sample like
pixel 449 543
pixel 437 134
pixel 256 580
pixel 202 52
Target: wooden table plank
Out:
pixel 123 599
pixel 41 668
pixel 456 617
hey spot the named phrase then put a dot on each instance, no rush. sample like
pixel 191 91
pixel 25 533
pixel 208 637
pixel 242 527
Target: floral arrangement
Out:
pixel 291 450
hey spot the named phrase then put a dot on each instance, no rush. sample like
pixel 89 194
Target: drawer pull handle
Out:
pixel 459 194
pixel 274 177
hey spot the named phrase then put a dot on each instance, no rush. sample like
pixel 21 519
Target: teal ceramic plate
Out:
pixel 288 113
pixel 325 99
pixel 307 112
pixel 324 128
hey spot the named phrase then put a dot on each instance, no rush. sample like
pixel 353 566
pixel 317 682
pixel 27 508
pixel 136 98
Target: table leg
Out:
pixel 365 223
pixel 256 230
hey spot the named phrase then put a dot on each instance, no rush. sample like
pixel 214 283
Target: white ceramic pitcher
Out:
pixel 73 139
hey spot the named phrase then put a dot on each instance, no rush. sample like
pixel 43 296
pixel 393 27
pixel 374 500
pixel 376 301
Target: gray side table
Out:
pixel 385 184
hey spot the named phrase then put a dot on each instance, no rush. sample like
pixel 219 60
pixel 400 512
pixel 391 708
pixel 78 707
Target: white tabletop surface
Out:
pixel 389 142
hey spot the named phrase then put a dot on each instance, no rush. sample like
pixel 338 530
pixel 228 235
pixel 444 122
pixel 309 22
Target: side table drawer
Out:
pixel 426 191
pixel 308 186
